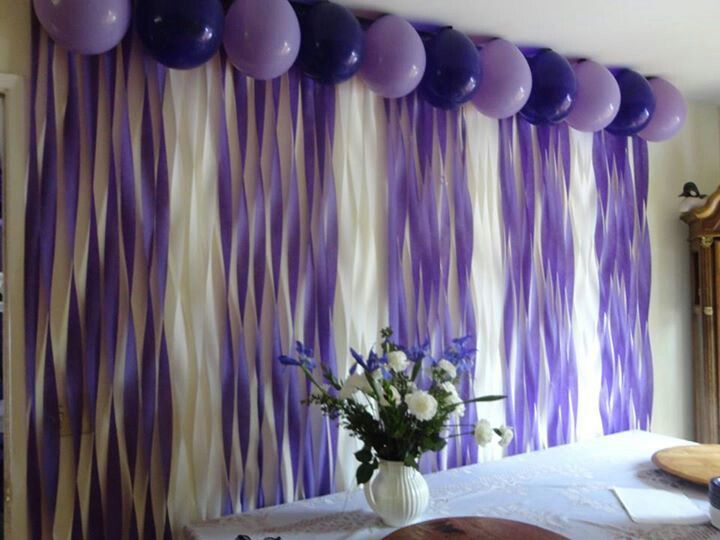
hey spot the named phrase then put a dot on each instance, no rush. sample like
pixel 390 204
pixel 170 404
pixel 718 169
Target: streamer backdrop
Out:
pixel 184 228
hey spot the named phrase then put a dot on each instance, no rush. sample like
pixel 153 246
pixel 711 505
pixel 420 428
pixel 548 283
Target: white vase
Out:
pixel 397 493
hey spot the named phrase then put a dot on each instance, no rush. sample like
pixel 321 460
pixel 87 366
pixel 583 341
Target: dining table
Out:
pixel 566 489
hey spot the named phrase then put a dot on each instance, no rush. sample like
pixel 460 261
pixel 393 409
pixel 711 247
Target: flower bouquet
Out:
pixel 398 415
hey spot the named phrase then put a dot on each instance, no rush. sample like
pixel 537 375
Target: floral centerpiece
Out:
pixel 399 414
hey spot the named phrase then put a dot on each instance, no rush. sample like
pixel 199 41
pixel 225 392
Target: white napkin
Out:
pixel 659 506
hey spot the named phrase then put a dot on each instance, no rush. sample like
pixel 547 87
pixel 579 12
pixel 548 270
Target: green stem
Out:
pixel 461 434
pixel 309 375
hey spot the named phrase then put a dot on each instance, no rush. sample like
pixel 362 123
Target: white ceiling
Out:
pixel 676 39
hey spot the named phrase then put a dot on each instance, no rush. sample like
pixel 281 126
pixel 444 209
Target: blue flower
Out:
pixel 372 363
pixel 418 353
pixel 289 361
pixel 304 357
pixel 460 353
pixel 302 350
pixel 375 362
pixel 358 358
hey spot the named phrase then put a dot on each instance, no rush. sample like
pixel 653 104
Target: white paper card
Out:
pixel 659 506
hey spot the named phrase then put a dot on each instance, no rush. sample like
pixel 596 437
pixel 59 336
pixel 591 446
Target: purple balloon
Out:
pixel 394 61
pixel 507 80
pixel 262 37
pixel 598 97
pixel 82 26
pixel 670 111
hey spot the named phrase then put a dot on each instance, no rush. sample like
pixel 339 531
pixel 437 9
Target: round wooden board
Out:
pixel 473 527
pixel 697 463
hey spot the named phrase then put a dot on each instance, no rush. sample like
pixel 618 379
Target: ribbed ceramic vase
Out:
pixel 397 493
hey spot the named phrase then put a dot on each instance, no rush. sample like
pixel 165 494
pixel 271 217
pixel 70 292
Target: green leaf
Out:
pixel 410 460
pixel 365 472
pixel 416 370
pixel 485 398
pixel 365 455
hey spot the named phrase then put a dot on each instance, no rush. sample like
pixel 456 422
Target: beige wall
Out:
pixel 692 155
pixel 15 36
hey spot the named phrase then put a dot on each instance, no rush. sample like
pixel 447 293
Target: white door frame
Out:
pixel 14 188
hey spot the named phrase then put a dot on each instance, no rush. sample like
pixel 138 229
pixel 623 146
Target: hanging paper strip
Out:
pixel 539 291
pixel 623 250
pixel 158 300
pixel 430 240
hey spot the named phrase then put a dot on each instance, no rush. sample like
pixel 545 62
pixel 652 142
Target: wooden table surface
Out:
pixel 473 528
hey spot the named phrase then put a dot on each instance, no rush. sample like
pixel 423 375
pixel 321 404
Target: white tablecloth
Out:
pixel 565 489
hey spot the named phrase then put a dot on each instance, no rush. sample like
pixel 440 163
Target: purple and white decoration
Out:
pixel 184 228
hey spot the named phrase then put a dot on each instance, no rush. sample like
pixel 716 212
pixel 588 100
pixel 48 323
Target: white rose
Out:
pixel 421 405
pixel 397 360
pixel 506 435
pixel 483 432
pixel 393 396
pixel 448 368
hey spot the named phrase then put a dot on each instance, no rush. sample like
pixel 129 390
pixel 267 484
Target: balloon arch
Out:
pixel 264 38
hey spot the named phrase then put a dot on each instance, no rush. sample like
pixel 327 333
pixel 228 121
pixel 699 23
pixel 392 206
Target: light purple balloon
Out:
pixel 670 111
pixel 598 97
pixel 262 37
pixel 84 26
pixel 394 61
pixel 506 82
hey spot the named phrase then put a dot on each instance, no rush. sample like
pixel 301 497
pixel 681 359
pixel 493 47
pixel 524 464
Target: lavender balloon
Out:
pixel 670 112
pixel 262 37
pixel 507 80
pixel 598 97
pixel 84 27
pixel 394 57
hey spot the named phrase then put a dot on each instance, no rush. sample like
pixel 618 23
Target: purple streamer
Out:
pixel 417 202
pixel 147 170
pixel 148 387
pixel 113 484
pixel 50 450
pixel 623 251
pixel 131 383
pixel 96 523
pixel 71 151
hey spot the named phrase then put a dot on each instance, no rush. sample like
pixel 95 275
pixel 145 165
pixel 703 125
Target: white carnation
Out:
pixel 506 435
pixel 421 405
pixel 448 368
pixel 390 397
pixel 454 398
pixel 483 432
pixel 397 360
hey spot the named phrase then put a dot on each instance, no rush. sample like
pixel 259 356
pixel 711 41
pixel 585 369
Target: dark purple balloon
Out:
pixel 452 72
pixel 332 43
pixel 553 88
pixel 637 104
pixel 180 34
